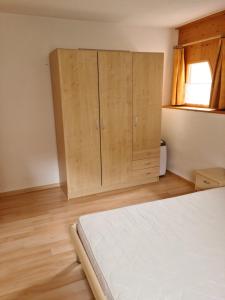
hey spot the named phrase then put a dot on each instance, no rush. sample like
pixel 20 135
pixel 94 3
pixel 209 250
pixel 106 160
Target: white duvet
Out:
pixel 164 250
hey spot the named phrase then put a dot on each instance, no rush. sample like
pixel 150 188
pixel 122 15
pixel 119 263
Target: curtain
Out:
pixel 178 83
pixel 217 98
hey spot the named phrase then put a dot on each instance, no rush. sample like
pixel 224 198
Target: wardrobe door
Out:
pixel 115 91
pixel 147 99
pixel 80 107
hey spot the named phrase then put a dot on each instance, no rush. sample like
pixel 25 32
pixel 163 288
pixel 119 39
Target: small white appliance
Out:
pixel 163 158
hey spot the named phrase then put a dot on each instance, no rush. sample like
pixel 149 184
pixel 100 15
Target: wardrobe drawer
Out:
pixel 149 172
pixel 147 154
pixel 145 163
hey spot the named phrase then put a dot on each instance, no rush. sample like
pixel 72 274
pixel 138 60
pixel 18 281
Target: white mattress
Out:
pixel 162 250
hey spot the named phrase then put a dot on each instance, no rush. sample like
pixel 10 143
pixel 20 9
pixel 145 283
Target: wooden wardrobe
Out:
pixel 107 108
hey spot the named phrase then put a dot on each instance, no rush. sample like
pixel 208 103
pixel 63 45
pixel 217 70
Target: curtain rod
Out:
pixel 200 41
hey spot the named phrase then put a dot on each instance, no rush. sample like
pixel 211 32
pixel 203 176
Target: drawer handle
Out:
pixel 206 182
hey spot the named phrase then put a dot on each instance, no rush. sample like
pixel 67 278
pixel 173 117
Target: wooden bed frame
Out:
pixel 83 259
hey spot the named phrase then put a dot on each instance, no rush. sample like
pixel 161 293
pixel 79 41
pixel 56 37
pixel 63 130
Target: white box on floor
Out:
pixel 163 158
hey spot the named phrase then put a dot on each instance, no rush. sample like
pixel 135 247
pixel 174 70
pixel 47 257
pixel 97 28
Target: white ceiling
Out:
pixel 131 12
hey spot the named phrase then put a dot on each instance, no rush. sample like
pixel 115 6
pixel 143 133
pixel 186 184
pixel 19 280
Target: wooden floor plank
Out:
pixel 36 255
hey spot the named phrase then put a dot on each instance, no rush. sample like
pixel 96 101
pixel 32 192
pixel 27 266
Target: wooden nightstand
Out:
pixel 209 178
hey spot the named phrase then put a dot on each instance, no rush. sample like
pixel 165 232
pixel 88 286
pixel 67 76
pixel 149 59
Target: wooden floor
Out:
pixel 37 260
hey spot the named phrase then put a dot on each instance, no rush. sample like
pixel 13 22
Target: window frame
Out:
pixel 187 74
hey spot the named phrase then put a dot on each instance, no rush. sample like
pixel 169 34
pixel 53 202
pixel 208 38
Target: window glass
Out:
pixel 198 85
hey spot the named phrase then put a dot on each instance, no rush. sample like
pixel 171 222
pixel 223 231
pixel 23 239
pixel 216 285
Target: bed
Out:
pixel 163 250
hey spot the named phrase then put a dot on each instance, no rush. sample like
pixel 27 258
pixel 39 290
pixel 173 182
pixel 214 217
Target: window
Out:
pixel 198 85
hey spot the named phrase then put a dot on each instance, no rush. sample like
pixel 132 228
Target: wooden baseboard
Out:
pixel 29 190
pixel 54 185
pixel 188 181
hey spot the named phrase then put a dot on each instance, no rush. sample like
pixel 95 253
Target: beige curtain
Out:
pixel 217 98
pixel 178 83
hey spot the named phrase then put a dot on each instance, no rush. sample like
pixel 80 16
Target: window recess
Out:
pixel 198 84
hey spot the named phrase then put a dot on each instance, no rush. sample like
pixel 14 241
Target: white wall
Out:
pixel 195 140
pixel 27 136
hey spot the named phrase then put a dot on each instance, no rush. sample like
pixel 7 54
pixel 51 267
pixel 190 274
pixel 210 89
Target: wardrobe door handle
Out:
pixel 97 124
pixel 135 121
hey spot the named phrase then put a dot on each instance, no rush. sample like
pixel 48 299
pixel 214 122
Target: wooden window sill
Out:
pixel 192 108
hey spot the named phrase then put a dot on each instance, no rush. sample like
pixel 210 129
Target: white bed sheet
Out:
pixel 163 250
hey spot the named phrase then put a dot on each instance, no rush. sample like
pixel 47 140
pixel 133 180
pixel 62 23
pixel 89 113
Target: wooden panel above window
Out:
pixel 205 28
